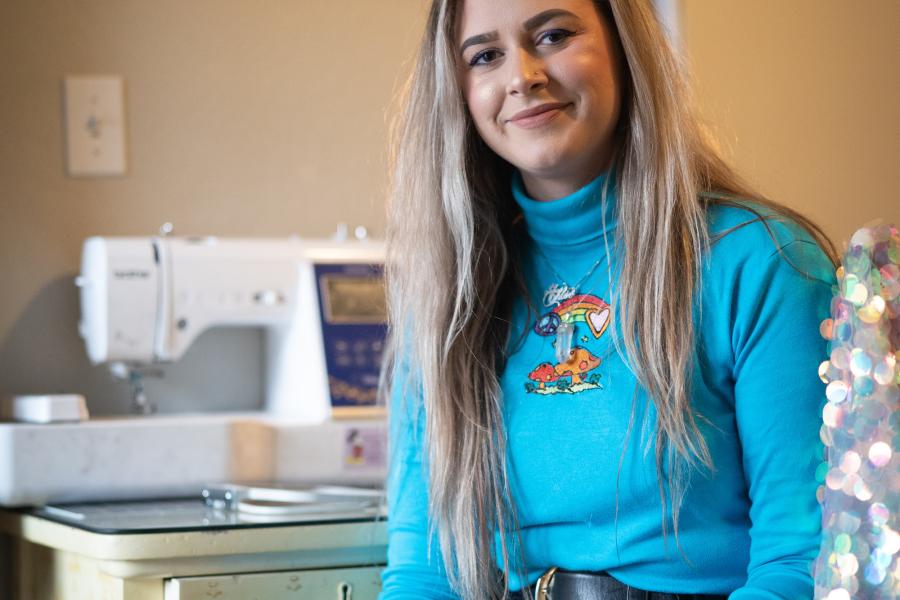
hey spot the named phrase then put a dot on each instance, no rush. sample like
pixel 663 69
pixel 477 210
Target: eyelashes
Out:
pixel 563 34
pixel 483 57
pixel 551 37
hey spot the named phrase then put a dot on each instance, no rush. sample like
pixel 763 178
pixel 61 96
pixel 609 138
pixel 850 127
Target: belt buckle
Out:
pixel 542 587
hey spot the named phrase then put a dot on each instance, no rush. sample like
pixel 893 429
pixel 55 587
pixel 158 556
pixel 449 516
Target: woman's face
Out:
pixel 542 86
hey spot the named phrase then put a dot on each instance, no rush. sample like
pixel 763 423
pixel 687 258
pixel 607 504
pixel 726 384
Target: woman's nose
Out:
pixel 527 74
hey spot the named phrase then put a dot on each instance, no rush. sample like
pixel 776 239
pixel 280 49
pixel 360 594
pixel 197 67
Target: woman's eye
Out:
pixel 484 57
pixel 554 36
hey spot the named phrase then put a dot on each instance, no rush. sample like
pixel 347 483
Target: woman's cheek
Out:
pixel 484 103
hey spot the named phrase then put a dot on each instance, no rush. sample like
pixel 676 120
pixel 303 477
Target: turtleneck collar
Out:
pixel 571 220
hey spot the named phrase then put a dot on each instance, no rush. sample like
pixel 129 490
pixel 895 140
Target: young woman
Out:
pixel 604 343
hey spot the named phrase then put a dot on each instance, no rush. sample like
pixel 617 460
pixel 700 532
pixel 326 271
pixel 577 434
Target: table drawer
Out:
pixel 349 583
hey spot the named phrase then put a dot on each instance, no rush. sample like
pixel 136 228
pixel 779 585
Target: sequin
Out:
pixel 872 311
pixel 890 290
pixel 850 462
pixel 826 328
pixel 840 357
pixel 882 557
pixel 883 373
pixel 864 237
pixel 842 543
pixel 838 594
pixel 879 514
pixel 894 254
pixel 848 565
pixel 879 454
pixel 874 574
pixel 821 471
pixel 823 371
pixel 854 291
pixel 860 294
pixel 841 310
pixel 825 434
pixel 832 415
pixel 857 261
pixel 864 386
pixel 860 363
pixel 835 479
pixel 890 272
pixel 861 490
pixel 843 332
pixel 836 391
pixel 888 541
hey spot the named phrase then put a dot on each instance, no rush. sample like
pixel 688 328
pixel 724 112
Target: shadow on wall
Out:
pixel 43 354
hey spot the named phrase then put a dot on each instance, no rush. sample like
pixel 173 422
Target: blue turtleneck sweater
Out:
pixel 582 466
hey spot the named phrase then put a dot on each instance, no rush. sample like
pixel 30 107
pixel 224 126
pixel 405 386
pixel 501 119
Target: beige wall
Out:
pixel 268 118
pixel 805 95
pixel 243 118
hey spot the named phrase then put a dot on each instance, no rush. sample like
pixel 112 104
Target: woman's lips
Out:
pixel 538 116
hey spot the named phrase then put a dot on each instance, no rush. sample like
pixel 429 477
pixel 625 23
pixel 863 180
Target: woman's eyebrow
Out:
pixel 541 18
pixel 481 38
pixel 532 23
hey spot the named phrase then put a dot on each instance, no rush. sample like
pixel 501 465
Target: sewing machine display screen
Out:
pixel 353 314
pixel 354 299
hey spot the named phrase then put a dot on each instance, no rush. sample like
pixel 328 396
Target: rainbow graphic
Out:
pixel 585 308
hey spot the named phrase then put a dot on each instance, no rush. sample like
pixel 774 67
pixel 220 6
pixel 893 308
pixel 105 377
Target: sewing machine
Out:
pixel 144 301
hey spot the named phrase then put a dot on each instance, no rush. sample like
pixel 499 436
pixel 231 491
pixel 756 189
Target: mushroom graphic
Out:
pixel 543 373
pixel 580 361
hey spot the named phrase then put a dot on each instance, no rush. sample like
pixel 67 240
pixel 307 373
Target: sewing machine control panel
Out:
pixel 353 313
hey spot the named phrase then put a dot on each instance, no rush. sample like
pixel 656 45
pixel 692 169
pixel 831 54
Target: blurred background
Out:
pixel 268 119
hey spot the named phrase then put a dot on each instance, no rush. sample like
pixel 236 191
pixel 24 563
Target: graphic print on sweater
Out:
pixel 576 373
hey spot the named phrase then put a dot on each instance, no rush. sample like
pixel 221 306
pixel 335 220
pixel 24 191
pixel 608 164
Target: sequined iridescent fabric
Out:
pixel 860 479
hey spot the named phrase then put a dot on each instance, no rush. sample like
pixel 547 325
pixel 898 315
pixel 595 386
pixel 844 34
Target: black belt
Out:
pixel 591 585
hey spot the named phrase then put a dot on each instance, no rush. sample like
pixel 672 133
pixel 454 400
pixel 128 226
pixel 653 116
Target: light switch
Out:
pixel 95 125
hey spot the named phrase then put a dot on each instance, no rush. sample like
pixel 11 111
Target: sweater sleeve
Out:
pixel 414 570
pixel 779 302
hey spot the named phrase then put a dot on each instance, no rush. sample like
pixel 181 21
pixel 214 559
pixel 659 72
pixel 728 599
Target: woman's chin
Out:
pixel 543 166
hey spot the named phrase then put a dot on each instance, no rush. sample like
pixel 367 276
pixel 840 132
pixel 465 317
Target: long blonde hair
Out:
pixel 453 270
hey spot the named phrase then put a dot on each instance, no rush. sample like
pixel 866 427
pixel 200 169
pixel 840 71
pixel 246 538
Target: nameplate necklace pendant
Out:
pixel 556 294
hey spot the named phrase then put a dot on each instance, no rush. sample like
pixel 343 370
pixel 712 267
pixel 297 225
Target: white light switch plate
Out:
pixel 95 125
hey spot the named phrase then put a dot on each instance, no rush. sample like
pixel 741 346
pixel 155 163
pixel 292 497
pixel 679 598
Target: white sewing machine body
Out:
pixel 145 301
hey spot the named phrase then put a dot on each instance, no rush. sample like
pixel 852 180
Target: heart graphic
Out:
pixel 598 321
